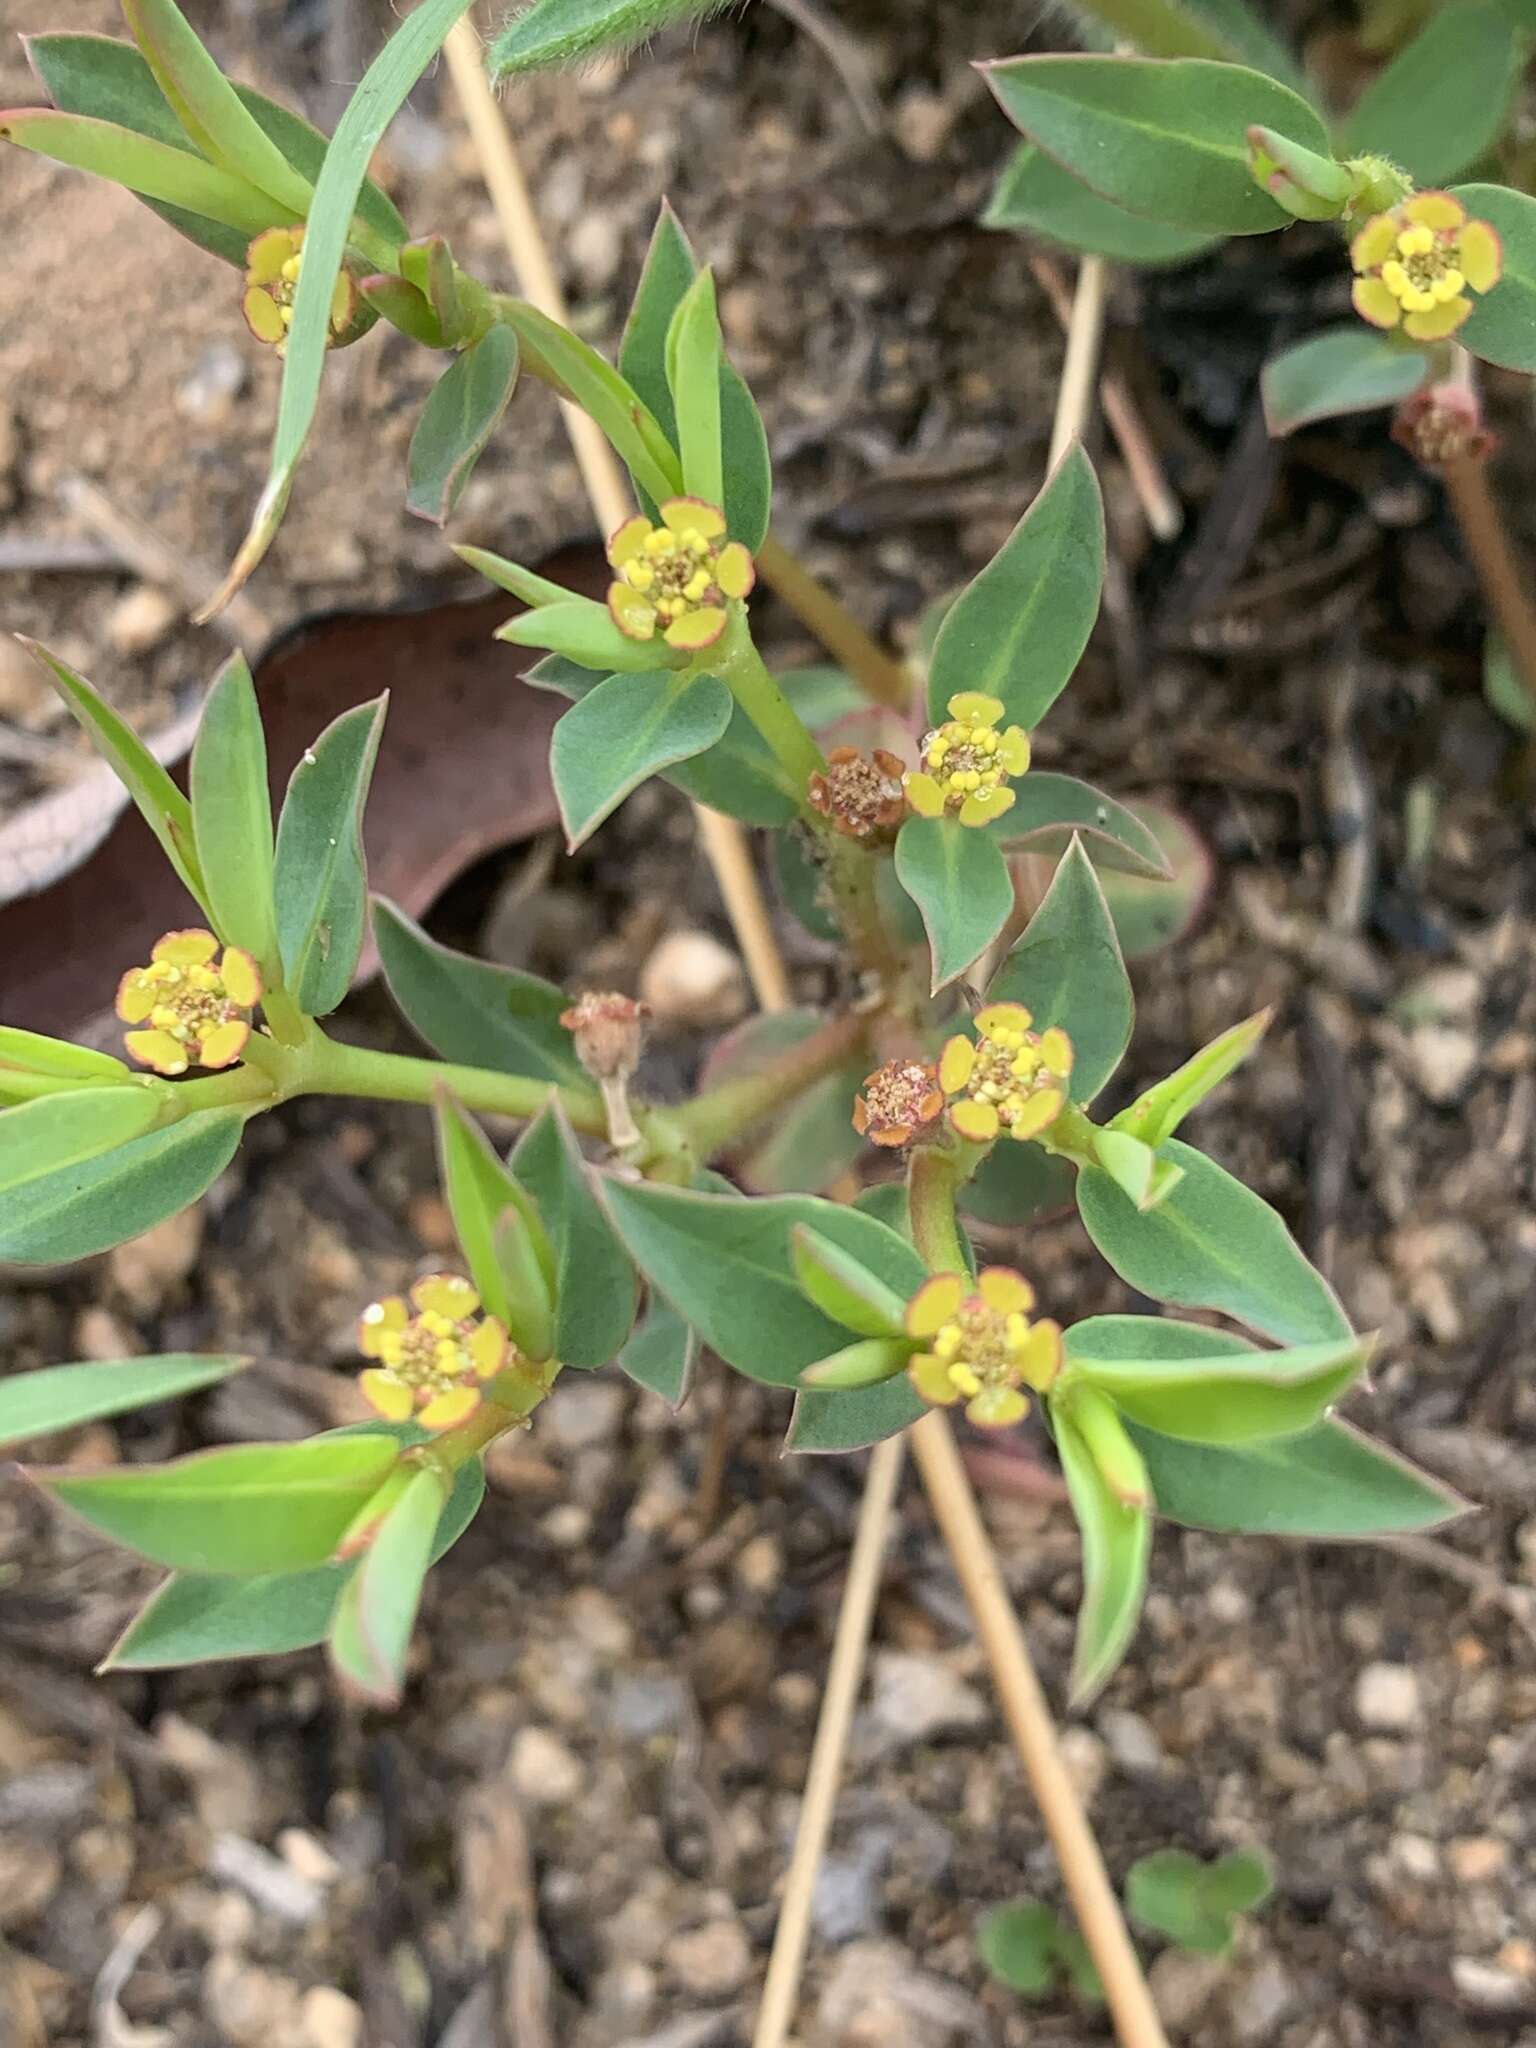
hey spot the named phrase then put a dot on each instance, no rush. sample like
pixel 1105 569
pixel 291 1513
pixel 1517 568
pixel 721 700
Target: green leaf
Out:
pixel 1442 101
pixel 1342 370
pixel 1066 969
pixel 1504 692
pixel 1212 1244
pixel 576 371
pixel 427 264
pixel 33 1065
pixel 869 1362
pixel 724 1263
pixel 207 105
pixel 160 803
pixel 89 1208
pixel 1017 1942
pixel 1164 138
pixel 1016 1183
pixel 378 98
pixel 1135 1168
pixel 1049 808
pixel 245 1508
pixel 470 1011
pixel 831 1421
pixel 626 729
pixel 320 875
pixel 1159 1110
pixel 1036 196
pixel 844 1289
pixel 1245 31
pixel 1117 1543
pixel 370 1631
pixel 597 1289
pixel 553 32
pixel 693 357
pixel 1331 1481
pixel 812 1140
pixel 1018 630
pixel 232 816
pixel 584 631
pixel 662 1355
pixel 960 882
pixel 1502 326
pixel 500 1231
pixel 155 170
pixel 197 1618
pixel 465 408
pixel 1148 915
pixel 50 1135
pixel 1240 1396
pixel 532 590
pixel 1195 1903
pixel 60 1396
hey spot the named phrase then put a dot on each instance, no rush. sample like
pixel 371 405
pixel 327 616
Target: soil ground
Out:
pixel 575 1827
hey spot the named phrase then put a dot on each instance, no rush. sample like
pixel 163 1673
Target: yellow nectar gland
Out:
pixel 432 1364
pixel 1008 1078
pixel 273 265
pixel 197 1007
pixel 674 579
pixel 980 1346
pixel 1414 265
pixel 967 763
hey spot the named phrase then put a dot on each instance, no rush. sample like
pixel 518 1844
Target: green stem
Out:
pixel 326 1067
pixel 741 668
pixel 876 673
pixel 933 1176
pixel 852 875
pixel 713 1119
pixel 1157 28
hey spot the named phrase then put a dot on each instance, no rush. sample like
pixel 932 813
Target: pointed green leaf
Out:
pixel 371 1629
pixel 1018 630
pixel 160 803
pixel 961 884
pixel 628 728
pixel 694 355
pixel 1342 370
pixel 320 879
pixel 32 1065
pixel 91 1207
pixel 1135 1168
pixel 155 170
pixel 54 1133
pixel 1194 1903
pixel 1442 101
pixel 232 816
pixel 532 590
pixel 428 265
pixel 1117 1542
pixel 500 1231
pixel 1212 1244
pixel 246 1508
pixel 597 1288
pixel 1016 1183
pixel 465 408
pixel 1149 915
pixel 1331 1481
pixel 868 1363
pixel 1049 808
pixel 1502 327
pixel 207 105
pixel 553 32
pixel 1164 138
pixel 576 371
pixel 1246 34
pixel 469 1010
pixel 826 1420
pixel 724 1263
pixel 61 1396
pixel 378 98
pixel 1036 196
pixel 844 1289
pixel 662 1355
pixel 1239 1397
pixel 1159 1110
pixel 1066 969
pixel 584 631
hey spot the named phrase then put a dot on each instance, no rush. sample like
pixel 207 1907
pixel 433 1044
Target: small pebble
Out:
pixel 711 1961
pixel 1485 1985
pixel 141 618
pixel 543 1770
pixel 1387 1698
pixel 330 2019
pixel 692 979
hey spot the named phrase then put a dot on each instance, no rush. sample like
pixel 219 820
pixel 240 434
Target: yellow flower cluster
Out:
pixel 196 1006
pixel 981 1347
pixel 967 763
pixel 432 1364
pixel 1415 265
pixel 273 264
pixel 675 578
pixel 1009 1078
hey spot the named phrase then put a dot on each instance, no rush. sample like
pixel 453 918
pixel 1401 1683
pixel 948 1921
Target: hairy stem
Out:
pixel 877 674
pixel 933 1176
pixel 741 668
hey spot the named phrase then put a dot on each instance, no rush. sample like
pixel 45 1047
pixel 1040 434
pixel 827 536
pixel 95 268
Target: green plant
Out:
pixel 869 1313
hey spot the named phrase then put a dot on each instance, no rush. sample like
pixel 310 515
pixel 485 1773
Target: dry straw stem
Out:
pixel 722 838
pixel 1487 542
